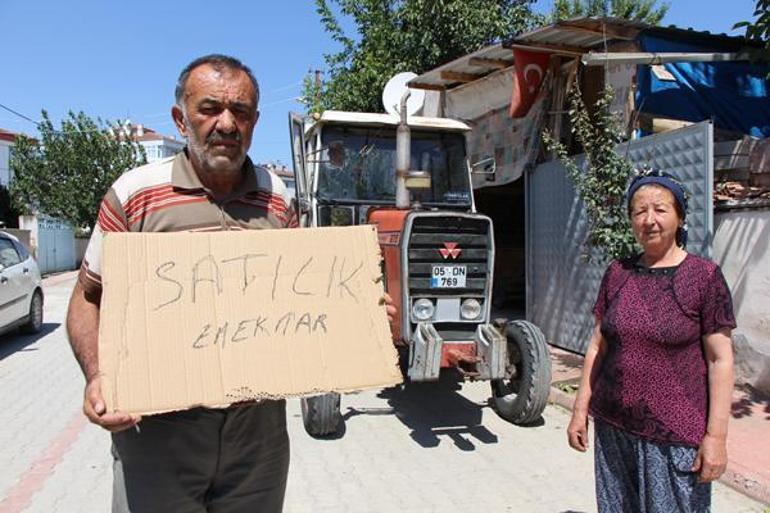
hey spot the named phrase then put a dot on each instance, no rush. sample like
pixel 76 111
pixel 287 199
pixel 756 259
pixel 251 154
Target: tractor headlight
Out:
pixel 470 309
pixel 423 309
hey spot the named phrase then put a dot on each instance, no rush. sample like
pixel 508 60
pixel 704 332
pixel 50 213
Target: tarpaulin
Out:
pixel 513 143
pixel 735 95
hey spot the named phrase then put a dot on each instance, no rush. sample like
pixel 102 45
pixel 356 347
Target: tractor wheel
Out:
pixel 521 397
pixel 321 414
pixel 35 320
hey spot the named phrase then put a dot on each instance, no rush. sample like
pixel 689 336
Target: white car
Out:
pixel 21 289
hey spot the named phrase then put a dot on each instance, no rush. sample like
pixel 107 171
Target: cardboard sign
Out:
pixel 191 319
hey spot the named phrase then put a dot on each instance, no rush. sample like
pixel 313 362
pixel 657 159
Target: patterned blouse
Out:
pixel 653 378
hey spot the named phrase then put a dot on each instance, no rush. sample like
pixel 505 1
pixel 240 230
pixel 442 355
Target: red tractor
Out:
pixel 411 177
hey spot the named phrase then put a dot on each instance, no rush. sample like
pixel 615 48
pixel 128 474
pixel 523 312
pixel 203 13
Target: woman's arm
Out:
pixel 577 432
pixel 711 460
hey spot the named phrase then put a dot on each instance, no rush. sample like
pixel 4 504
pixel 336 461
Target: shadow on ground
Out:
pixel 434 410
pixel 567 360
pixel 14 342
pixel 748 402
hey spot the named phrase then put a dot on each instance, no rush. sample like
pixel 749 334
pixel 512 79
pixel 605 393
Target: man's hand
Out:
pixel 711 460
pixel 577 432
pixel 390 307
pixel 96 411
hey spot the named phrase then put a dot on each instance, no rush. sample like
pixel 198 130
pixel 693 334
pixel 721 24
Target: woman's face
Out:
pixel 654 218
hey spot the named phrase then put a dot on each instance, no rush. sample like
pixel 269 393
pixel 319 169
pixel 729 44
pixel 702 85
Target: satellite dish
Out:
pixel 395 89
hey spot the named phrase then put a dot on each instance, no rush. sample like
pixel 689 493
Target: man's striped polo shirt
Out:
pixel 167 196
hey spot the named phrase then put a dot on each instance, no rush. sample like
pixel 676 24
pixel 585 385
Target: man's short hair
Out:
pixel 218 62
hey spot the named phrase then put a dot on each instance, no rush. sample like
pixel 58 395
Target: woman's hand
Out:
pixel 711 460
pixel 577 432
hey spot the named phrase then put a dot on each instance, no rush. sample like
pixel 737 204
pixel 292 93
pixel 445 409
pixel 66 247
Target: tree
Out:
pixel 759 29
pixel 638 10
pixel 404 35
pixel 67 173
pixel 601 183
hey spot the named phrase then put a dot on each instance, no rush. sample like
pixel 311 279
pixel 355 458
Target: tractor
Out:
pixel 410 176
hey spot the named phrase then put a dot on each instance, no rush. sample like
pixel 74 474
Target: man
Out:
pixel 233 459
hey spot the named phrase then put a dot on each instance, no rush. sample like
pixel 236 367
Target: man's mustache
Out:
pixel 217 137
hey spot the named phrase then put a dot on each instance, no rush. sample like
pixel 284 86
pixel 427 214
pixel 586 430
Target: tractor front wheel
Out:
pixel 521 397
pixel 321 414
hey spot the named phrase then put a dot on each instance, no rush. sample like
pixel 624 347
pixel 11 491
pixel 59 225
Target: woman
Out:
pixel 657 376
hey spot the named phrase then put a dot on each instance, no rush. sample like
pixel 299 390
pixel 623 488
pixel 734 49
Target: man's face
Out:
pixel 218 117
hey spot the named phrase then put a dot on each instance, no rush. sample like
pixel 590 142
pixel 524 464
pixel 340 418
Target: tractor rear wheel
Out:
pixel 321 414
pixel 521 397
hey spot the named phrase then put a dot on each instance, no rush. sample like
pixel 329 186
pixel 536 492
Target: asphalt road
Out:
pixel 423 448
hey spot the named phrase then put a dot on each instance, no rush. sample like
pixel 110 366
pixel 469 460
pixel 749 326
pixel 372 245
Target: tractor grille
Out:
pixel 449 240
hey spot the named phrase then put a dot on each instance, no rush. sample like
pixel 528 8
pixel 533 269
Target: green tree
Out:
pixel 601 182
pixel 67 173
pixel 638 10
pixel 404 35
pixel 759 29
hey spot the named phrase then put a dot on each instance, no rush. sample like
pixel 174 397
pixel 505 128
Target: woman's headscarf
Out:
pixel 658 177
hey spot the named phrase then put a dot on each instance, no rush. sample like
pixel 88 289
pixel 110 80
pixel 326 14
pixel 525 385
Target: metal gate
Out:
pixel 55 245
pixel 561 284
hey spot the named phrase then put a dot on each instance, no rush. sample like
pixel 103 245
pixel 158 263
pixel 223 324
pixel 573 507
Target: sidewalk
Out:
pixel 748 439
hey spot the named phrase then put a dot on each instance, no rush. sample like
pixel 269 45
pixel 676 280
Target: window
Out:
pixel 8 254
pixel 23 253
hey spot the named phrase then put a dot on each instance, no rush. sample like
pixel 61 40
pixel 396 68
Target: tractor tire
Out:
pixel 321 414
pixel 521 397
pixel 35 319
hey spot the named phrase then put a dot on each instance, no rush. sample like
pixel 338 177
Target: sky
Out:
pixel 117 60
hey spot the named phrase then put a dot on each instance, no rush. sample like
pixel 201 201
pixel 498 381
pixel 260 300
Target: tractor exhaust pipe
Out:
pixel 403 157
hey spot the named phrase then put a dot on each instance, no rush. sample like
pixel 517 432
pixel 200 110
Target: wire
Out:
pixel 22 116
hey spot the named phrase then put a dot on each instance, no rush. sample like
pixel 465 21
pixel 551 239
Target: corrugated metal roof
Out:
pixel 575 36
pixel 465 69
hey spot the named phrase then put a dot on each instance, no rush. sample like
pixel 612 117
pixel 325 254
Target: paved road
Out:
pixel 428 448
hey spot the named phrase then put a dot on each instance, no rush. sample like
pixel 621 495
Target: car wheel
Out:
pixel 35 319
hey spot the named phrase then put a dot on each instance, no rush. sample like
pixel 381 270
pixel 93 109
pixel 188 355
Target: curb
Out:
pixel 57 278
pixel 734 476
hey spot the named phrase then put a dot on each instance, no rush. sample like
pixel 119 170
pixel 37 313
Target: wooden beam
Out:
pixel 657 124
pixel 570 51
pixel 490 63
pixel 651 58
pixel 423 85
pixel 460 77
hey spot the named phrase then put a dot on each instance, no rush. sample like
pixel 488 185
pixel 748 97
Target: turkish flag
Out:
pixel 530 69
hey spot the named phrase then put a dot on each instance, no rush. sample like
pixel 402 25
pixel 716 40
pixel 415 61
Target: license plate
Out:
pixel 447 276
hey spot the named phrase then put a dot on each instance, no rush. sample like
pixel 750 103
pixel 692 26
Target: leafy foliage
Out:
pixel 69 171
pixel 759 30
pixel 9 216
pixel 601 182
pixel 404 35
pixel 638 10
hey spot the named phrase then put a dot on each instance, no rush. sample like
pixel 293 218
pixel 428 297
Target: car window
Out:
pixel 23 253
pixel 8 254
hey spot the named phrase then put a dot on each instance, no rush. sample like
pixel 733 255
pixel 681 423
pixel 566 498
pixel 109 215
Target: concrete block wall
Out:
pixel 742 249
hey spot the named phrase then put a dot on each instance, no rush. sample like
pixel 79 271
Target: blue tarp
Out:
pixel 734 95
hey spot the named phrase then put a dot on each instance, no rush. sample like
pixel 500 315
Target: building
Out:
pixel 156 146
pixel 691 103
pixel 283 172
pixel 6 143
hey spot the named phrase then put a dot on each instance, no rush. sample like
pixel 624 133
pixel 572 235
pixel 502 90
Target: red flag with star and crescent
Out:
pixel 530 69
